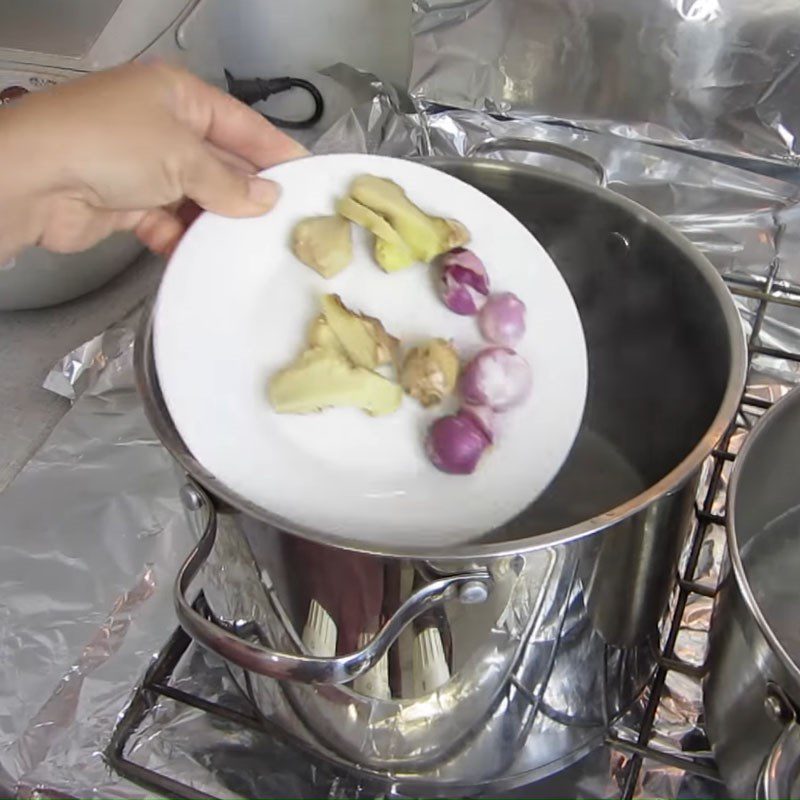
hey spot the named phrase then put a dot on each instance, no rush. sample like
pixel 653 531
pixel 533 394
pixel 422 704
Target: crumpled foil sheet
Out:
pixel 712 75
pixel 93 532
pixel 92 536
pixel 742 221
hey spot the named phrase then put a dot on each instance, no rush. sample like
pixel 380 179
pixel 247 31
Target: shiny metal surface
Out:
pixel 717 77
pixel 749 664
pixel 471 588
pixel 532 685
pixel 511 143
pixel 629 570
pixel 780 769
pixel 779 775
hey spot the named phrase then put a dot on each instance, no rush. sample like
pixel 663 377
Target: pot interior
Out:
pixel 661 349
pixel 764 529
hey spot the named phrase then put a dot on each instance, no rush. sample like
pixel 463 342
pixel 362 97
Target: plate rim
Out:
pixel 160 419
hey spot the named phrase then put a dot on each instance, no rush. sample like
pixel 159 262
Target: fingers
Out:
pixel 72 226
pixel 217 187
pixel 160 230
pixel 237 128
pixel 232 160
pixel 185 140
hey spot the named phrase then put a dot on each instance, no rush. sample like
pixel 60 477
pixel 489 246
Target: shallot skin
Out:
pixel 455 444
pixel 483 417
pixel 498 378
pixel 464 281
pixel 502 319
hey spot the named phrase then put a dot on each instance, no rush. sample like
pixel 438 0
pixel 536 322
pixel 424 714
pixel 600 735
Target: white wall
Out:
pixel 269 38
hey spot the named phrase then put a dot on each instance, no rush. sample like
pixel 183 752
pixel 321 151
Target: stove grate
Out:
pixel 635 741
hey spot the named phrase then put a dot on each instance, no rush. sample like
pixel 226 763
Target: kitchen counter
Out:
pixel 32 341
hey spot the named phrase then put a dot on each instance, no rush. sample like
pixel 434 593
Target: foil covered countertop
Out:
pixel 31 341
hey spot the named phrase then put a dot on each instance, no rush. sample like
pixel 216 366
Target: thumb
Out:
pixel 218 187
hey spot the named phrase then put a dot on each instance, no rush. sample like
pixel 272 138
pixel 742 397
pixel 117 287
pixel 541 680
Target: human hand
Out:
pixel 139 148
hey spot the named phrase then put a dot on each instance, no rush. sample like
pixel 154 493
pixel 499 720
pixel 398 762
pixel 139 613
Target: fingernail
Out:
pixel 264 192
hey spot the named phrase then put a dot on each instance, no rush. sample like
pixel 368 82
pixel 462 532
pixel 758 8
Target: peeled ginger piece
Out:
pixel 322 378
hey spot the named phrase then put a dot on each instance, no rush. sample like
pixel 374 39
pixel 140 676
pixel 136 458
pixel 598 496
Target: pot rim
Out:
pixel 767 422
pixel 157 413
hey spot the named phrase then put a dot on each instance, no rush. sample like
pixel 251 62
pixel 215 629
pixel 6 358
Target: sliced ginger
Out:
pixel 336 370
pixel 392 257
pixel 323 243
pixel 403 232
pixel 425 236
pixel 363 338
pixel 365 217
pixel 322 378
pixel 321 335
pixel 391 251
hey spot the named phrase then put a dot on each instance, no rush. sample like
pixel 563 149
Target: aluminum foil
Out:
pixel 719 76
pixel 92 536
pixel 744 222
pixel 93 532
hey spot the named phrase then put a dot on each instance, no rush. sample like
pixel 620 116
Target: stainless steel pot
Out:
pixel 505 659
pixel 752 692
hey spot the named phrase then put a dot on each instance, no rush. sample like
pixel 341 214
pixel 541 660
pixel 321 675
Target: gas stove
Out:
pixel 658 748
pixel 184 682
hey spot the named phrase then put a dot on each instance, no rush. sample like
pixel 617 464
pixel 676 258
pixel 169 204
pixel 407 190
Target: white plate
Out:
pixel 235 305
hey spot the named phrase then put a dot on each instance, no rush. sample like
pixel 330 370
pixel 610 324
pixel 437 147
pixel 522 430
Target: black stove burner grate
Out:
pixel 154 685
pixel 158 684
pixel 636 741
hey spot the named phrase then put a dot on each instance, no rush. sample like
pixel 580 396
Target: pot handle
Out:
pixel 779 770
pixel 496 145
pixel 470 587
